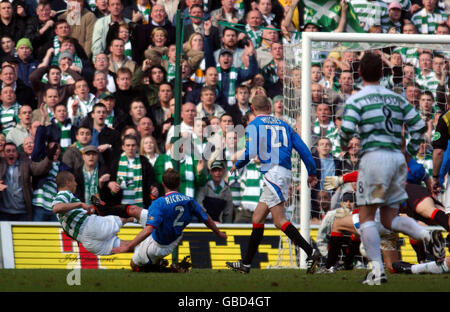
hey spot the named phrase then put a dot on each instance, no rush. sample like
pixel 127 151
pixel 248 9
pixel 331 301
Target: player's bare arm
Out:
pixel 65 207
pixel 438 154
pixel 211 225
pixel 129 247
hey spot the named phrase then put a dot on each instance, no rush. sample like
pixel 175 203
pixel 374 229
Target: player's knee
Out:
pixel 335 226
pixel 279 222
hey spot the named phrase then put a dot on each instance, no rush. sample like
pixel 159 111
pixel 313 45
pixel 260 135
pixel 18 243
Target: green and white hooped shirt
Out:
pixel 73 220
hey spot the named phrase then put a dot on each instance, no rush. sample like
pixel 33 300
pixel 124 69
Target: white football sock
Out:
pixel 429 267
pixel 371 240
pixel 410 227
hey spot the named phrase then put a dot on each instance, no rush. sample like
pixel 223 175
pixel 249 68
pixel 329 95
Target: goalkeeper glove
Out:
pixel 332 182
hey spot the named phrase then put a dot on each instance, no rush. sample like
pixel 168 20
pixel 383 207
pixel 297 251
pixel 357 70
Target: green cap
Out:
pixel 24 41
pixel 106 95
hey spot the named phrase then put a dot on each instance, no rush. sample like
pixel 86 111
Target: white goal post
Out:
pixel 308 38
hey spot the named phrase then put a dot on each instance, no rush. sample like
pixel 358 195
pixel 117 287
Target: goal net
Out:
pixel 320 73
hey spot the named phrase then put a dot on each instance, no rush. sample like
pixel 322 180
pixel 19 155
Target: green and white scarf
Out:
pixel 317 129
pixel 109 121
pixel 255 36
pixel 92 5
pixel 64 78
pixel 66 138
pixel 9 117
pixel 78 145
pixel 50 113
pixel 130 180
pixel 187 186
pixel 56 46
pixel 170 69
pixel 231 86
pixel 127 49
pixel 90 184
pixel 335 143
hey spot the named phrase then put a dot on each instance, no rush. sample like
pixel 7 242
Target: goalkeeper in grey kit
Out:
pixel 379 115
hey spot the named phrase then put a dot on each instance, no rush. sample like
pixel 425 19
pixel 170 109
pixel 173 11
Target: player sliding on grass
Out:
pixel 166 220
pixel 434 267
pixel 378 115
pixel 272 141
pixel 98 234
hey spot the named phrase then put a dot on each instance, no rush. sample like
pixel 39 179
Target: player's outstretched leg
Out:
pixel 123 211
pixel 432 267
pixel 104 210
pixel 402 267
pixel 434 241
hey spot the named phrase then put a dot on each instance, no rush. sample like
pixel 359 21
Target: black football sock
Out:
pixel 352 250
pixel 334 243
pixel 295 236
pixel 441 218
pixel 117 210
pixel 255 239
pixel 419 248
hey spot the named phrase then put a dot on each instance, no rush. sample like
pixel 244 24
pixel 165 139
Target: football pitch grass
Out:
pixel 204 280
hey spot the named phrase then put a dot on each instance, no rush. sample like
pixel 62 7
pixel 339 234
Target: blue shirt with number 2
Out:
pixel 169 215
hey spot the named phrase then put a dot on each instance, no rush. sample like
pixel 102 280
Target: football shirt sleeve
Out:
pixel 155 216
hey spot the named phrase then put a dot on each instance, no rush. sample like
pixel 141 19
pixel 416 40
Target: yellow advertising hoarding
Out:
pixel 47 246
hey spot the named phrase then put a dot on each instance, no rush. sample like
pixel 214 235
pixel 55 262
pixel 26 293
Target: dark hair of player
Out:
pixel 171 179
pixel 370 67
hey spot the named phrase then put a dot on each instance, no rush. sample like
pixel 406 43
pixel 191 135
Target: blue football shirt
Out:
pixel 169 215
pixel 272 140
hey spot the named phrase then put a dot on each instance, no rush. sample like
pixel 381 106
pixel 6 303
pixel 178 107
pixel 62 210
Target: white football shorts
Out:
pixel 99 235
pixel 276 186
pixel 150 251
pixel 381 179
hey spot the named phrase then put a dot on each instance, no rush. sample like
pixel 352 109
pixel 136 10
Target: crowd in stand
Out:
pixel 89 87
